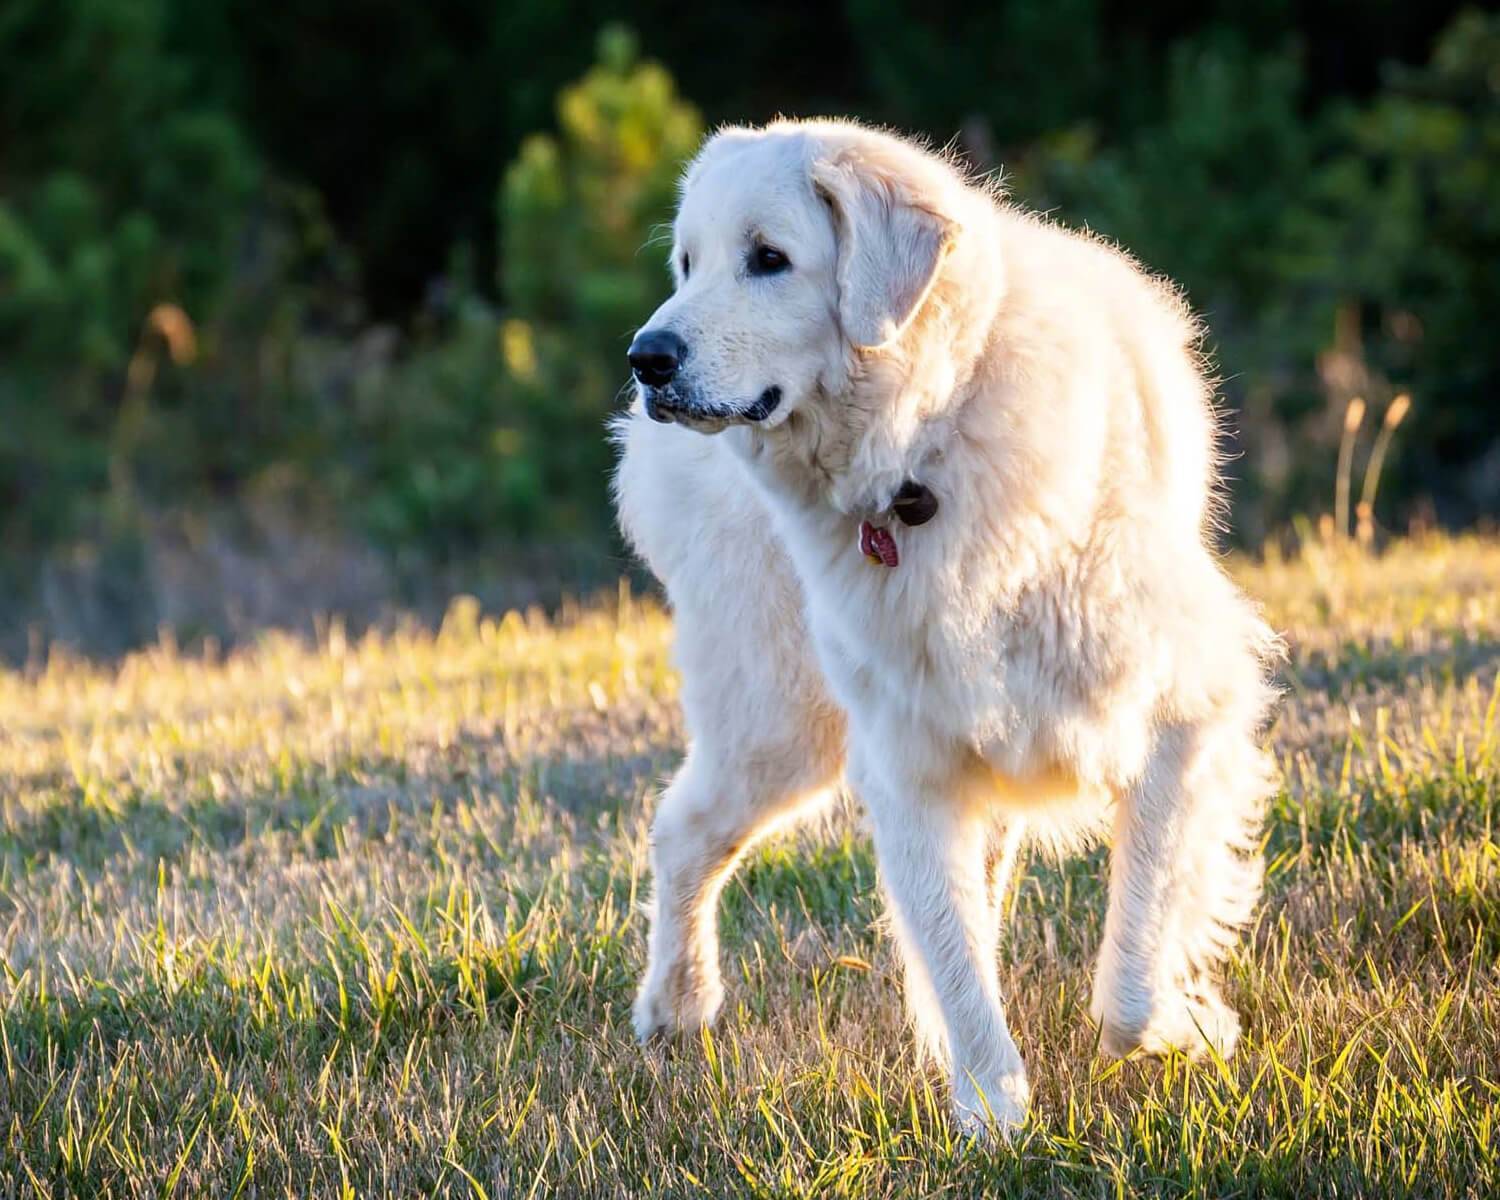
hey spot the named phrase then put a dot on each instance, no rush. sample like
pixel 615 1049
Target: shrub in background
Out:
pixel 1401 227
pixel 1352 251
pixel 120 189
pixel 1338 232
pixel 497 428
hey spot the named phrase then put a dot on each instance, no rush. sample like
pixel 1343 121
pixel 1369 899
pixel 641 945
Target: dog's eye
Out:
pixel 767 260
pixel 687 266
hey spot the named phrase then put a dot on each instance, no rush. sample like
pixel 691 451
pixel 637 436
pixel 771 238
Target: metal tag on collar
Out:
pixel 877 544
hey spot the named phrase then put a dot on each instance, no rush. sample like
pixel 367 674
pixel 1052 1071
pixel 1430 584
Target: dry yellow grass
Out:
pixel 361 918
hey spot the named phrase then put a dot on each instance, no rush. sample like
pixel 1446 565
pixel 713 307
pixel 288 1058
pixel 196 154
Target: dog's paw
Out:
pixel 989 1109
pixel 1189 1022
pixel 664 1008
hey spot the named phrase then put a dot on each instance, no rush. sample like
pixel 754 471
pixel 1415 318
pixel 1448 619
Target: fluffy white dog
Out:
pixel 927 480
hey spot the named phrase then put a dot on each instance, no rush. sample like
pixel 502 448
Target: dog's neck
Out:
pixel 851 465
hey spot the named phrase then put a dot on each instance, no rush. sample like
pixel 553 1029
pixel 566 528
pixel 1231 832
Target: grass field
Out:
pixel 361 918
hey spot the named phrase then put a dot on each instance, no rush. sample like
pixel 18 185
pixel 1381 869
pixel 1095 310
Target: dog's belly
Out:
pixel 1049 787
pixel 1053 802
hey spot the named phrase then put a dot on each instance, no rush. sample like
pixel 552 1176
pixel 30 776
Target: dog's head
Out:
pixel 796 249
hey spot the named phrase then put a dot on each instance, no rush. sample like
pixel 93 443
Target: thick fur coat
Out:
pixel 1057 651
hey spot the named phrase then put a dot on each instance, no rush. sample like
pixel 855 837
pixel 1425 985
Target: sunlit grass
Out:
pixel 362 917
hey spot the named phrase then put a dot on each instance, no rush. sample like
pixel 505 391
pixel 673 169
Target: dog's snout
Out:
pixel 655 356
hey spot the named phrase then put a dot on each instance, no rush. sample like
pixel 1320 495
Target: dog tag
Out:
pixel 877 545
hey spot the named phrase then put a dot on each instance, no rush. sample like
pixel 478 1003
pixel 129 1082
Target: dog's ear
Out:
pixel 890 247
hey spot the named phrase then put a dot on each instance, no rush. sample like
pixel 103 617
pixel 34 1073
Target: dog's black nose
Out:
pixel 655 356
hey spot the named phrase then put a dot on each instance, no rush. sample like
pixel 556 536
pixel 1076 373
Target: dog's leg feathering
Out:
pixel 1184 877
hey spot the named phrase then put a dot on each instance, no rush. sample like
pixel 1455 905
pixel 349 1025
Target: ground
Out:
pixel 363 917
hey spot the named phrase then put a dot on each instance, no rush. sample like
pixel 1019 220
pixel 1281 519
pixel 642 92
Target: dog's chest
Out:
pixel 1024 687
pixel 894 655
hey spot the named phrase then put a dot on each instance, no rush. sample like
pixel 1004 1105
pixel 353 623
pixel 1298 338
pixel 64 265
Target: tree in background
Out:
pixel 1401 228
pixel 513 409
pixel 119 189
pixel 1334 221
pixel 583 259
pixel 1352 251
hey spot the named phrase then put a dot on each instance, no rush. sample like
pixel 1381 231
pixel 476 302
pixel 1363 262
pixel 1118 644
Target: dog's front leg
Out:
pixel 933 856
pixel 1001 852
pixel 712 811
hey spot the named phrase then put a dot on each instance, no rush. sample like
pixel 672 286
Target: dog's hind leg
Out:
pixel 1004 848
pixel 1185 873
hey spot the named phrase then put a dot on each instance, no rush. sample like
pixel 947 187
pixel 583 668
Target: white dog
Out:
pixel 927 480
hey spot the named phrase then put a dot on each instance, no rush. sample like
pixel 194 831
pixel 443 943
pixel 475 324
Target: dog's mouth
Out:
pixel 673 404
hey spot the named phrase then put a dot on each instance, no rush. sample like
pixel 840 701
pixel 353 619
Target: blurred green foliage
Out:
pixel 120 186
pixel 1351 252
pixel 414 258
pixel 580 265
pixel 1404 217
pixel 117 189
pixel 499 425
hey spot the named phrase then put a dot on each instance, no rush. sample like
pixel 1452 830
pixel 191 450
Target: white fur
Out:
pixel 1058 649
